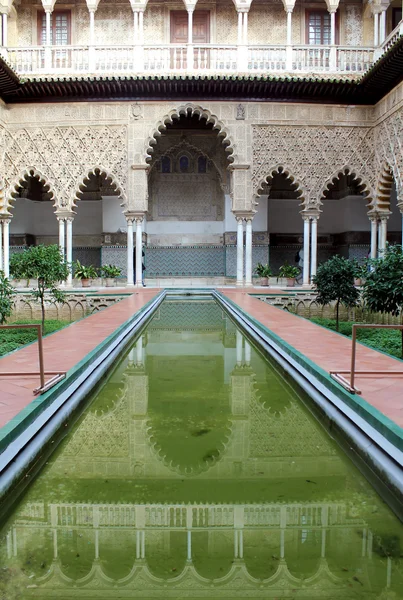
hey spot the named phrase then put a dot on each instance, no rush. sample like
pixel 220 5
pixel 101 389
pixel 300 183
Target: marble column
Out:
pixel 305 274
pixel 288 50
pixel 239 252
pixel 130 249
pixel 136 26
pixel 245 28
pixel 1 245
pixel 6 247
pixel 62 236
pixel 248 252
pixel 374 231
pixel 383 233
pixel 314 246
pixel 69 249
pixel 190 59
pixel 376 29
pixel 139 249
pixel 240 28
pixel 5 29
pixel 141 27
pixel 382 25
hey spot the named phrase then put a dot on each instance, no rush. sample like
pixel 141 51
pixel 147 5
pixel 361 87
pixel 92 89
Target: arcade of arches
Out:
pixel 209 189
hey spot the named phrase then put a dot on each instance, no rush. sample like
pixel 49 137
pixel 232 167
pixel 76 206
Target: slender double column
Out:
pixel 310 247
pixel 69 249
pixel 248 252
pixel 239 252
pixel 242 40
pixel 5 246
pixel 374 240
pixel 139 250
pixel 190 54
pixel 130 250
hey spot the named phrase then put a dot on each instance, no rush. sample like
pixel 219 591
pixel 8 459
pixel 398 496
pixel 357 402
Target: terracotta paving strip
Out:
pixel 62 351
pixel 332 352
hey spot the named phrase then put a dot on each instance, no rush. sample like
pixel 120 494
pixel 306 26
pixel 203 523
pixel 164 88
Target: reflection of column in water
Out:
pixel 239 341
pixel 131 357
pixel 189 545
pixel 248 351
pixel 96 544
pixel 55 544
pixel 9 545
pixel 139 351
pixel 389 572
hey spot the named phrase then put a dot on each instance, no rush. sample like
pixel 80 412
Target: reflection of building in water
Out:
pixel 281 538
pixel 265 431
pixel 202 545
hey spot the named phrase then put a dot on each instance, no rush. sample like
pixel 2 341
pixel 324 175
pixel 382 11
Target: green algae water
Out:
pixel 196 471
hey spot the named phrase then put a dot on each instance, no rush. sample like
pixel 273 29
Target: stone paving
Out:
pixel 62 350
pixel 330 351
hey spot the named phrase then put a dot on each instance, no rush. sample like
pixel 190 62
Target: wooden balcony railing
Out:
pixel 209 58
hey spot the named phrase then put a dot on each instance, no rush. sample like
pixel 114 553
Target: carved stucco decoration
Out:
pixel 313 157
pixel 219 126
pixel 63 157
pixel 388 143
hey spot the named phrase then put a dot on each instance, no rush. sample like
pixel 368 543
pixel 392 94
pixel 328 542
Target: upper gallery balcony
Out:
pixel 223 36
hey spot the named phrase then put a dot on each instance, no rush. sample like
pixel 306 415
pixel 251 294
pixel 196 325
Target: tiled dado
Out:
pixel 185 261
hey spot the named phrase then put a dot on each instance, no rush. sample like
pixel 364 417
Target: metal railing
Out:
pixel 44 386
pixel 338 375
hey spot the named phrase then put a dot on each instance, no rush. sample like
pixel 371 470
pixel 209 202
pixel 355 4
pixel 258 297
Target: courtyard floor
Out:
pixel 330 351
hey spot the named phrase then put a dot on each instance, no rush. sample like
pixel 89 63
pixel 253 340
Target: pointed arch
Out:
pixel 362 184
pixel 202 113
pixel 281 169
pixel 24 175
pixel 384 188
pixel 98 170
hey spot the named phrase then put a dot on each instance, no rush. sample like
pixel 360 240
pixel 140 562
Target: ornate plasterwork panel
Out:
pixel 186 197
pixel 154 24
pixel 267 26
pixel 227 32
pixel 313 156
pixel 353 27
pixel 64 156
pixel 388 140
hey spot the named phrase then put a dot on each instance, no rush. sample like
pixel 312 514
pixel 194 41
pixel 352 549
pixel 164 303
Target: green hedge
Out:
pixel 12 339
pixel 387 340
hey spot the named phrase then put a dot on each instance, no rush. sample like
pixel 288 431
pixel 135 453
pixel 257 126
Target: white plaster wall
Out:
pixel 36 218
pixel 337 216
pixel 284 216
pixel 88 219
pixel 185 227
pixel 260 221
pixel 113 218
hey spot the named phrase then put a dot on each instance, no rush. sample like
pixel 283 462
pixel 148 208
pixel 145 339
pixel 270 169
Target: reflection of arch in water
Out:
pixel 211 459
pixel 141 575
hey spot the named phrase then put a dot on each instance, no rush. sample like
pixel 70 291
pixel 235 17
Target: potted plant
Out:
pixel 264 272
pixel 109 273
pixel 289 272
pixel 84 273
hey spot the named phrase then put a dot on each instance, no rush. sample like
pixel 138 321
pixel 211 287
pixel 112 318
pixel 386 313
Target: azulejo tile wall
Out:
pixel 87 256
pixel 115 255
pixel 185 261
pixel 259 254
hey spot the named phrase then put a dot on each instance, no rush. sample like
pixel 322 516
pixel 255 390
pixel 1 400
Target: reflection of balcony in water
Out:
pixel 188 537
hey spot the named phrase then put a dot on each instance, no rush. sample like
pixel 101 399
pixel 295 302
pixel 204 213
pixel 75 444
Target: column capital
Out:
pixel 243 215
pixel 64 214
pixel 289 5
pixel 92 5
pixel 48 5
pixel 310 214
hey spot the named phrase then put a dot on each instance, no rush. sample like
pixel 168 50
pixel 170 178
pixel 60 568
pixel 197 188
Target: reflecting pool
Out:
pixel 196 471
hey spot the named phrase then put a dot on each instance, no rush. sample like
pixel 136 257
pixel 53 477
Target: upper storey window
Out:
pixel 318 28
pixel 60 28
pixel 184 164
pixel 165 164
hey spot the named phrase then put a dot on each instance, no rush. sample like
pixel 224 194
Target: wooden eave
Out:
pixel 378 81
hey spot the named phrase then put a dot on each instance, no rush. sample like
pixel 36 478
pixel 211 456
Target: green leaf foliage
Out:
pixel 12 339
pixel 334 282
pixel 47 265
pixel 386 340
pixel 383 287
pixel 6 298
